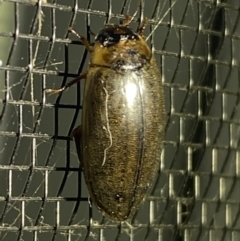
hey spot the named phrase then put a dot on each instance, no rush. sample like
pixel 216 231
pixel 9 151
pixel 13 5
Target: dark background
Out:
pixel 196 194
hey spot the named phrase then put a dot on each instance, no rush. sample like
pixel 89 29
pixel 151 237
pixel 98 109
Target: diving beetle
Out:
pixel 120 139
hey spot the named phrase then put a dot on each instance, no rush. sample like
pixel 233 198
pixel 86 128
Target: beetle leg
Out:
pixel 82 38
pixel 74 81
pixel 128 19
pixel 76 135
pixel 92 33
pixel 142 27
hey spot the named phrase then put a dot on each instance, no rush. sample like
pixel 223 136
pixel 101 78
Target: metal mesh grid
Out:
pixel 196 195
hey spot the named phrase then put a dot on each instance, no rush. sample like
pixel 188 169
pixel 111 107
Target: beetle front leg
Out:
pixel 82 38
pixel 142 27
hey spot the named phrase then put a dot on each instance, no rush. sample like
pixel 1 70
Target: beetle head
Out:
pixel 119 47
pixel 112 34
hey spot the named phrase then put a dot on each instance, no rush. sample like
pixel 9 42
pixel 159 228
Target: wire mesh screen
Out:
pixel 196 193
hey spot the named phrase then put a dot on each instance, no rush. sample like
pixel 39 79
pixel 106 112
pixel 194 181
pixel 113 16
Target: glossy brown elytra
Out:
pixel 120 139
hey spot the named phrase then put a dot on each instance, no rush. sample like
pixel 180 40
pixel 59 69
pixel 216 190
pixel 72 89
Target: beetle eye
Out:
pixel 112 34
pixel 107 38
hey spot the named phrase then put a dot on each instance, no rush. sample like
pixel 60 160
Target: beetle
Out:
pixel 120 139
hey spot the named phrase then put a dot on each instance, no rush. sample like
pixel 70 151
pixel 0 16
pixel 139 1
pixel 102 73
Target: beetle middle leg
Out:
pixel 74 81
pixel 77 135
